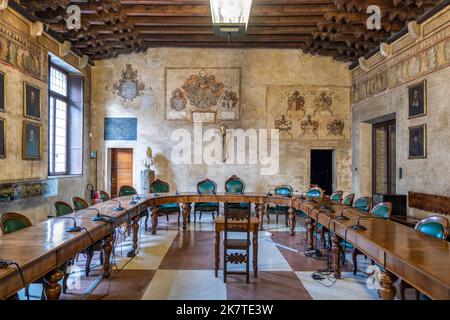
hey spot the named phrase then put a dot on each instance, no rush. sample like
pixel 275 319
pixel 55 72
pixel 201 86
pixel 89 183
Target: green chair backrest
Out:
pixel 435 226
pixel 62 208
pixel 12 221
pixel 348 200
pixel 104 195
pixel 314 192
pixel 363 203
pixel 126 191
pixel 284 190
pixel 206 186
pixel 159 186
pixel 234 184
pixel 79 203
pixel 382 210
pixel 336 196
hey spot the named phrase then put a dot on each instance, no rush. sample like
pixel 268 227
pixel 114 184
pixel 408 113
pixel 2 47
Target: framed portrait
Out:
pixel 31 101
pixel 31 141
pixel 2 138
pixel 417 142
pixel 417 100
pixel 2 91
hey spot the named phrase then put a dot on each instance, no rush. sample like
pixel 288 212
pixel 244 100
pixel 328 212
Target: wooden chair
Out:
pixel 11 222
pixel 382 210
pixel 237 220
pixel 159 186
pixel 100 194
pixel 234 184
pixel 79 203
pixel 434 226
pixel 314 192
pixel 337 196
pixel 284 190
pixel 62 208
pixel 126 191
pixel 363 203
pixel 348 200
pixel 206 186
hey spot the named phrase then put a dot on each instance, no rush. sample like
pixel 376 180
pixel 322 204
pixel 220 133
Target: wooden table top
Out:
pixel 421 260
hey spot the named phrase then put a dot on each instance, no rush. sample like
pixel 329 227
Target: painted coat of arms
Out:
pixel 128 87
pixel 212 92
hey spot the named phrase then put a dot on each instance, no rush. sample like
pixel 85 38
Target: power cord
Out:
pixel 7 263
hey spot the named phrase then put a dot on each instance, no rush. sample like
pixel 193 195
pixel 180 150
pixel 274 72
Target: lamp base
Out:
pixel 98 218
pixel 118 209
pixel 132 202
pixel 74 229
pixel 342 218
pixel 358 227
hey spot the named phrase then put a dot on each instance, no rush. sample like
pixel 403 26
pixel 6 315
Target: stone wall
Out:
pixel 383 90
pixel 262 72
pixel 15 30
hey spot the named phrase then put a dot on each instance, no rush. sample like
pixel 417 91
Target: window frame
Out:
pixel 65 99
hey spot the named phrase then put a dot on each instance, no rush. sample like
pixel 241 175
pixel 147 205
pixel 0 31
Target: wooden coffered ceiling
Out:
pixel 334 28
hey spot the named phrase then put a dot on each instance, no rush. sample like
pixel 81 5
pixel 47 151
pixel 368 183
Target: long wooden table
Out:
pixel 42 249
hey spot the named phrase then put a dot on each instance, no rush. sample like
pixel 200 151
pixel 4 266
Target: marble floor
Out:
pixel 180 265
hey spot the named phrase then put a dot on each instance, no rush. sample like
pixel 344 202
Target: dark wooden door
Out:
pixel 384 158
pixel 121 169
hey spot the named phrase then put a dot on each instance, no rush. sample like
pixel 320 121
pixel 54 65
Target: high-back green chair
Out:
pixel 62 208
pixel 363 203
pixel 234 184
pixel 382 210
pixel 282 190
pixel 127 191
pixel 159 186
pixel 206 186
pixel 103 195
pixel 79 203
pixel 434 226
pixel 314 192
pixel 348 200
pixel 337 196
pixel 13 221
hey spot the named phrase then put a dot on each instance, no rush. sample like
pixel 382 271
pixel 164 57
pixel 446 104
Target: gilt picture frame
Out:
pixel 2 92
pixel 31 140
pixel 417 100
pixel 31 101
pixel 417 145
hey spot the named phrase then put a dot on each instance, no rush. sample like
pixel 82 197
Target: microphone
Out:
pixel 5 263
pixel 360 227
pixel 74 228
pixel 134 200
pixel 341 217
pixel 101 217
pixel 119 208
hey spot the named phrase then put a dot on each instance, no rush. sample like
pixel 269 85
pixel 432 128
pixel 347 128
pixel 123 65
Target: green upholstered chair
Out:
pixel 434 226
pixel 348 200
pixel 159 186
pixel 206 186
pixel 62 208
pixel 363 203
pixel 314 192
pixel 283 190
pixel 79 203
pixel 127 191
pixel 337 196
pixel 12 221
pixel 382 210
pixel 103 195
pixel 234 184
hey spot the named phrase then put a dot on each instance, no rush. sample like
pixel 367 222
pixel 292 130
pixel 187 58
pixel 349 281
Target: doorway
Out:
pixel 121 169
pixel 384 158
pixel 322 173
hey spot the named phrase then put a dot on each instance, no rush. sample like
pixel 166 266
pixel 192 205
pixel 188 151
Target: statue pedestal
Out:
pixel 147 177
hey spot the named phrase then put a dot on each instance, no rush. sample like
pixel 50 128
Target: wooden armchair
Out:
pixel 126 191
pixel 206 186
pixel 79 203
pixel 284 190
pixel 234 184
pixel 159 186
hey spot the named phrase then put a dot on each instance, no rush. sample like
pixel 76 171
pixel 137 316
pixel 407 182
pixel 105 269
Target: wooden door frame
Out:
pixel 108 166
pixel 386 124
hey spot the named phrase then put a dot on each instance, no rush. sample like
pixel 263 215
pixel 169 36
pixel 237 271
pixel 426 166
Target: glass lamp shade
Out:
pixel 230 17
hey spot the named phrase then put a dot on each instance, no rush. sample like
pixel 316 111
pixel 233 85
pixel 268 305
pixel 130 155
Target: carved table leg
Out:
pixel 387 289
pixel 186 208
pixel 135 228
pixel 291 213
pixel 261 210
pixel 310 224
pixel 336 250
pixel 255 252
pixel 217 252
pixel 107 247
pixel 154 219
pixel 52 287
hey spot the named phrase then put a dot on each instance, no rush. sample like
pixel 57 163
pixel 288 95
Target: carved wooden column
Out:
pixel 255 252
pixel 107 248
pixel 52 287
pixel 261 210
pixel 154 219
pixel 336 251
pixel 186 209
pixel 387 289
pixel 135 228
pixel 292 221
pixel 310 224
